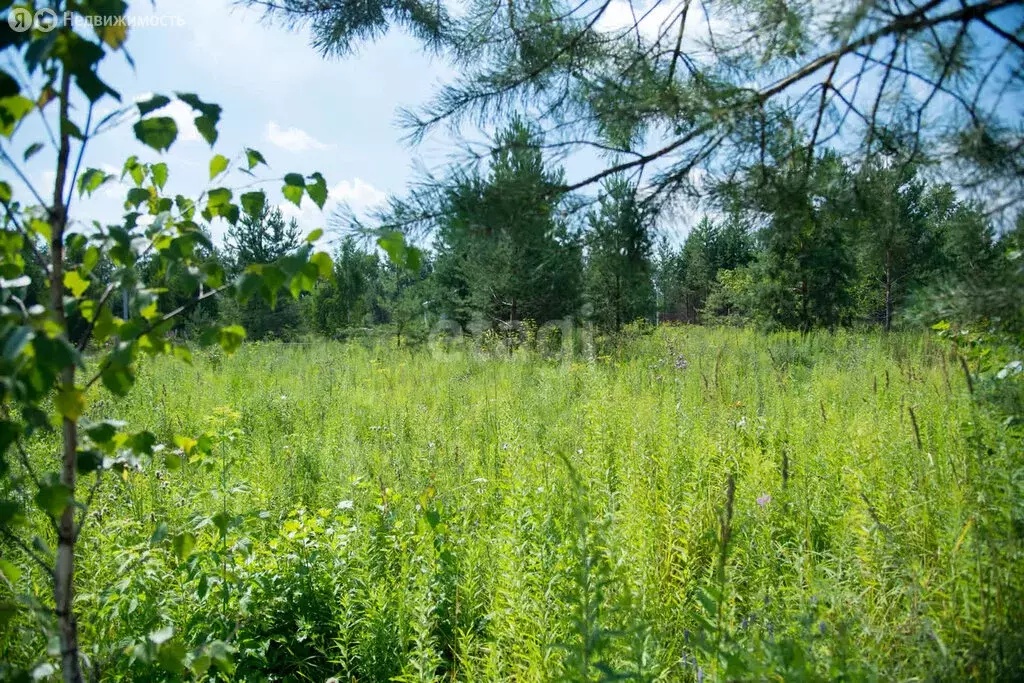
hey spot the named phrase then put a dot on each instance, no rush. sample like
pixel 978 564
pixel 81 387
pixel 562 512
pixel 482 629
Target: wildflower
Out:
pixel 345 505
pixel 764 500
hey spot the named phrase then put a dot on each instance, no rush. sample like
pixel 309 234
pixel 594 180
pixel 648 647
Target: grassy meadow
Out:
pixel 697 504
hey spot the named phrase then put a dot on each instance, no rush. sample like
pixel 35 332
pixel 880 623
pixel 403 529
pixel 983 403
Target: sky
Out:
pixel 303 112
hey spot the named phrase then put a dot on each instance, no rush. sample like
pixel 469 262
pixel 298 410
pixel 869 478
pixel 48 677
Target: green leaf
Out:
pixel 118 379
pixel 70 403
pixel 315 235
pixel 17 341
pixel 207 127
pixel 159 172
pixel 91 180
pixel 183 545
pixel 231 337
pixel 172 657
pixel 218 198
pixel 53 497
pixel 32 150
pixel 10 570
pixel 323 262
pixel 75 283
pixel 11 513
pixel 104 432
pixel 318 190
pixel 159 132
pixel 5 192
pixel 222 520
pixel 253 203
pixel 294 186
pixel 136 196
pixel 218 165
pixel 159 534
pixel 12 110
pixel 254 157
pixel 152 104
pixel 87 461
pixel 206 124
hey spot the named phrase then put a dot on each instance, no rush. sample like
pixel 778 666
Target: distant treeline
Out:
pixel 838 246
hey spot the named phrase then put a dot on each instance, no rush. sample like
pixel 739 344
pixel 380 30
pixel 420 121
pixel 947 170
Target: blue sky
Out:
pixel 304 113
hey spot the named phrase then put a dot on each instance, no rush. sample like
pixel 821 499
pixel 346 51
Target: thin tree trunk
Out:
pixel 64 574
pixel 888 289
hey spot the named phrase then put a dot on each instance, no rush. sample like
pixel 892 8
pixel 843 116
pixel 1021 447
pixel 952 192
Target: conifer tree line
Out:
pixel 855 162
pixel 874 245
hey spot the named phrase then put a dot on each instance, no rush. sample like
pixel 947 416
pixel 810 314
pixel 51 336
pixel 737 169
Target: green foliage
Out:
pixel 618 270
pixel 504 251
pixel 70 343
pixel 368 513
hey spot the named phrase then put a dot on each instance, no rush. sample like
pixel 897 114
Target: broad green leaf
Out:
pixel 70 403
pixel 222 520
pixel 218 165
pixel 135 169
pixel 10 570
pixel 183 544
pixel 159 534
pixel 87 461
pixel 136 196
pixel 172 657
pixel 152 104
pixel 159 172
pixel 75 283
pixel 206 123
pixel 118 379
pixel 317 190
pixel 323 262
pixel 231 337
pixel 253 203
pixel 293 194
pixel 17 341
pixel 53 497
pixel 207 127
pixel 5 192
pixel 91 180
pixel 12 110
pixel 104 432
pixel 218 198
pixel 159 132
pixel 253 158
pixel 315 235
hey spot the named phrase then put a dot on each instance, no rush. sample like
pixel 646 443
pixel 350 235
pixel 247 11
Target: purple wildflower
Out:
pixel 764 500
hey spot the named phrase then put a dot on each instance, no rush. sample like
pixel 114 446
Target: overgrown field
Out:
pixel 699 504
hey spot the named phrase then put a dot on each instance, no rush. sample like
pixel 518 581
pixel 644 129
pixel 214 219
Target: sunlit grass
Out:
pixel 460 515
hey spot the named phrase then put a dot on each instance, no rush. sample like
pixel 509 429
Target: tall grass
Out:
pixel 696 504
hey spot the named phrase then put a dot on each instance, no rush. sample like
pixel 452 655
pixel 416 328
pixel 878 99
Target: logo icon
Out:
pixel 46 19
pixel 21 19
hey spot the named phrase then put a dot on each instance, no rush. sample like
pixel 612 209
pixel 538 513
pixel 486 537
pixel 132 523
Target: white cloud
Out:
pixel 293 139
pixel 357 193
